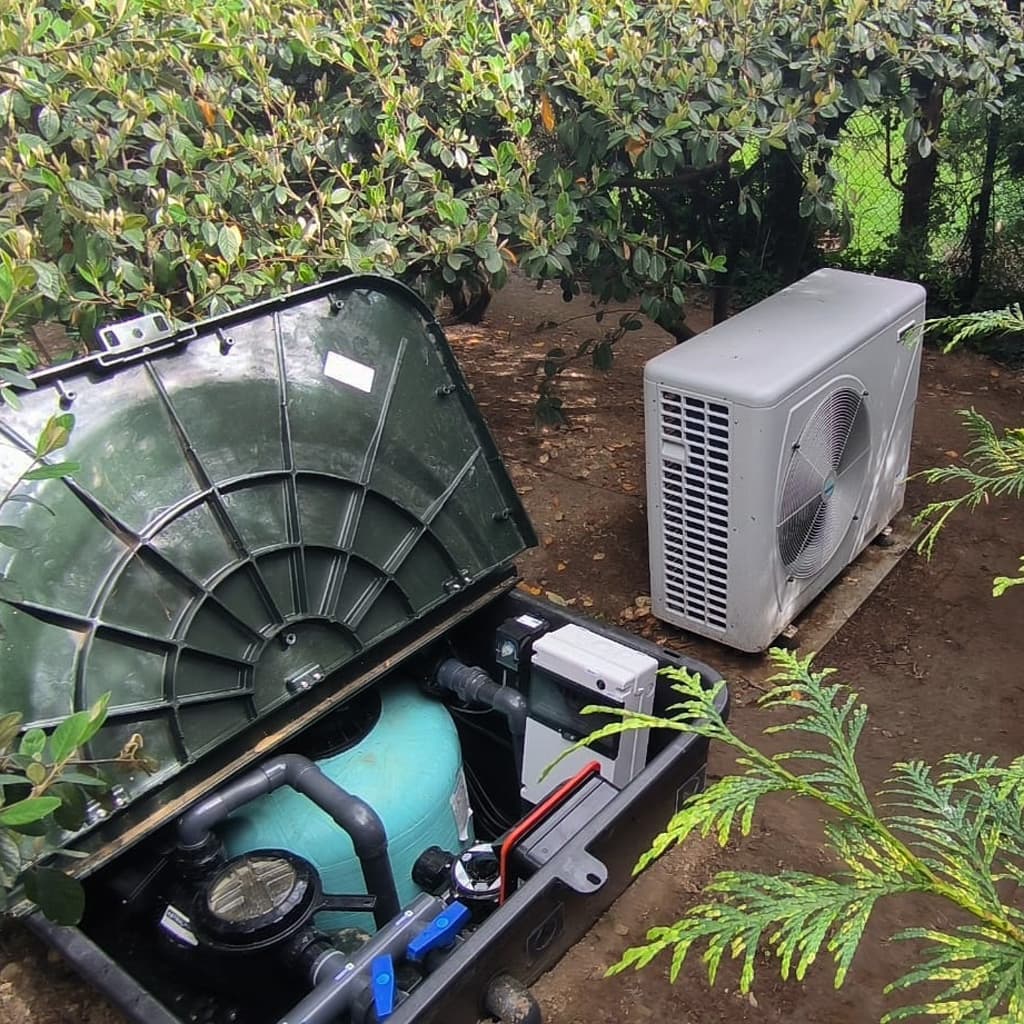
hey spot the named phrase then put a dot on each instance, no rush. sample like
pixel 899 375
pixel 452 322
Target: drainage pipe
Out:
pixel 350 813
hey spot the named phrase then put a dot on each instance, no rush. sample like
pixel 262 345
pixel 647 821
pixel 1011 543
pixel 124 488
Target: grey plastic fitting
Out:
pixel 511 1001
pixel 351 814
pixel 340 979
pixel 473 685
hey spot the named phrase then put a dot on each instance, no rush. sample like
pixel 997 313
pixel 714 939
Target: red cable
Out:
pixel 541 811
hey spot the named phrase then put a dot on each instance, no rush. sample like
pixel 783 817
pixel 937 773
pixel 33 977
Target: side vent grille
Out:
pixel 695 505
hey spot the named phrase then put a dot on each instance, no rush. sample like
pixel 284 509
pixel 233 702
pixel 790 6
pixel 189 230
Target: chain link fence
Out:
pixel 966 262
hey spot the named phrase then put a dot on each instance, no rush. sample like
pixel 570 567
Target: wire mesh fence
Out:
pixel 970 262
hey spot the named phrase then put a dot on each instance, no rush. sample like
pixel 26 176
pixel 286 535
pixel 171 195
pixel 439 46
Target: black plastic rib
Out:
pixel 216 500
pixel 354 510
pixel 300 581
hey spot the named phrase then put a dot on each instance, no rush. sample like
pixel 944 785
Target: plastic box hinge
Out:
pixel 140 336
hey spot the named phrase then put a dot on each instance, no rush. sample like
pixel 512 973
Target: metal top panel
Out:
pixel 765 353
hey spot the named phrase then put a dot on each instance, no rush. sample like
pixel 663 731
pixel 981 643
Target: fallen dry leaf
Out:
pixel 598 556
pixel 588 602
pixel 530 589
pixel 547 112
pixel 561 566
pixel 555 598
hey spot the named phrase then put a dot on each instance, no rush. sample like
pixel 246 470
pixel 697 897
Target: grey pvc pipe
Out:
pixel 474 686
pixel 351 814
pixel 340 979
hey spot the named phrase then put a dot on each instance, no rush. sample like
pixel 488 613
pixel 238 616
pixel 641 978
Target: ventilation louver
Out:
pixel 695 489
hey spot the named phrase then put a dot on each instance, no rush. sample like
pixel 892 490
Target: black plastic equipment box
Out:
pixel 279 511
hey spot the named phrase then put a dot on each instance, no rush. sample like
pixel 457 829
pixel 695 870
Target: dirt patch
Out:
pixel 935 657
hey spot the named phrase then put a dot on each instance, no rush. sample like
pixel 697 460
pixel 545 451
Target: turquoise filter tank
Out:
pixel 408 768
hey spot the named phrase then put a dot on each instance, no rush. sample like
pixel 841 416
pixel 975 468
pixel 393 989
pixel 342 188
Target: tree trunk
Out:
pixel 977 233
pixel 921 170
pixel 788 231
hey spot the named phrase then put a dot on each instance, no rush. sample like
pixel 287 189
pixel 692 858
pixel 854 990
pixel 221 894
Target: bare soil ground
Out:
pixel 936 658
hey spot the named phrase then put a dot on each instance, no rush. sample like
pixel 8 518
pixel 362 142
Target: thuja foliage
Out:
pixel 954 831
pixel 993 466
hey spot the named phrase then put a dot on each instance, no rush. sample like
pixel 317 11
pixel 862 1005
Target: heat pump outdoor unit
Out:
pixel 777 449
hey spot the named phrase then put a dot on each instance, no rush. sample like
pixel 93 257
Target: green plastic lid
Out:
pixel 262 498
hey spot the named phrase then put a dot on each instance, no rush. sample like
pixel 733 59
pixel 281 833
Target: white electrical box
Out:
pixel 571 669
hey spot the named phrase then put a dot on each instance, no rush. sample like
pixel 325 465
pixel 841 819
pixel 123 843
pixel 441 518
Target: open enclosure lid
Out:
pixel 262 498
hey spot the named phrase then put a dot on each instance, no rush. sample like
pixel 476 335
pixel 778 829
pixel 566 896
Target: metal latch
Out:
pixel 135 333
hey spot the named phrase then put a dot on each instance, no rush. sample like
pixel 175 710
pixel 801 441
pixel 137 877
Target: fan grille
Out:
pixel 695 508
pixel 823 482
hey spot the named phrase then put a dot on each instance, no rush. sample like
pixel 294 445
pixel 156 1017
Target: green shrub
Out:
pixel 188 157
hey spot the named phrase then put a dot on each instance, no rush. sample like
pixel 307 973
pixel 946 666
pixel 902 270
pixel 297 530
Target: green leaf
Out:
pixel 55 434
pixel 10 859
pixel 6 283
pixel 33 743
pixel 549 412
pixel 229 242
pixel 47 279
pixel 36 773
pixel 15 537
pixel 49 123
pixel 81 779
pixel 454 211
pixel 85 193
pixel 32 808
pixel 16 379
pixel 54 471
pixel 69 735
pixel 603 356
pixel 70 816
pixel 59 896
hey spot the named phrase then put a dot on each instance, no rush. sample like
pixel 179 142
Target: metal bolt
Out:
pixel 66 395
pixel 288 640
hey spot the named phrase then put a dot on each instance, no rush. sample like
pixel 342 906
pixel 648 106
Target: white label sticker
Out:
pixel 460 807
pixel 177 924
pixel 529 621
pixel 348 371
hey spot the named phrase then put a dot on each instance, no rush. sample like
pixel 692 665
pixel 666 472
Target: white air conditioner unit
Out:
pixel 777 448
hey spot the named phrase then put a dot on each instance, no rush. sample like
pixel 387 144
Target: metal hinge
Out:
pixel 134 333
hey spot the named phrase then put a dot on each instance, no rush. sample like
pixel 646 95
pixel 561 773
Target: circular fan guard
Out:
pixel 823 483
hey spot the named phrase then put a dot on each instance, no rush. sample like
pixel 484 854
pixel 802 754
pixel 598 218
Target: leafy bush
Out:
pixel 955 832
pixel 188 157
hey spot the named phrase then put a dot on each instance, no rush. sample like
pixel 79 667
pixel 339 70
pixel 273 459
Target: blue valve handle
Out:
pixel 440 933
pixel 382 973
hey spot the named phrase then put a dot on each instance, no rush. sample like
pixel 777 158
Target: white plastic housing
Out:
pixel 586 663
pixel 777 448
